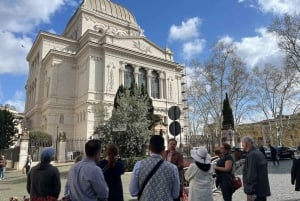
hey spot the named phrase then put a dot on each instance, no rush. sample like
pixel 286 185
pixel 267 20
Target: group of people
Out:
pixel 163 181
pixel 88 179
pixel 156 177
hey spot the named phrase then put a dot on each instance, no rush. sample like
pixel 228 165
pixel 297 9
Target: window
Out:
pixel 155 85
pixel 128 76
pixel 61 119
pixel 143 78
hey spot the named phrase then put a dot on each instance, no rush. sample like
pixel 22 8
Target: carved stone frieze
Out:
pixel 142 46
pixel 108 29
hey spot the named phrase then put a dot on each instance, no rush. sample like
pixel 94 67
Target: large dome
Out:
pixel 109 8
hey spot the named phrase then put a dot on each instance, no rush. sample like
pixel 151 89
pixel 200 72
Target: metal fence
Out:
pixel 36 146
pixel 74 147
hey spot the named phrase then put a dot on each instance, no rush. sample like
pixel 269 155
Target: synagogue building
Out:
pixel 102 47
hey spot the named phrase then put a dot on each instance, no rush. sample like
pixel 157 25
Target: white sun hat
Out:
pixel 201 155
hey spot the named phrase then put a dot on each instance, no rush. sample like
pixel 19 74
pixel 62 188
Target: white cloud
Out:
pixel 22 16
pixel 189 34
pixel 13 53
pixel 17 101
pixel 192 48
pixel 52 31
pixel 259 50
pixel 17 19
pixel 280 7
pixel 186 31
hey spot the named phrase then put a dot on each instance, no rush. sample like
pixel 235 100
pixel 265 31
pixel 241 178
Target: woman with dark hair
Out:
pixel 113 168
pixel 223 170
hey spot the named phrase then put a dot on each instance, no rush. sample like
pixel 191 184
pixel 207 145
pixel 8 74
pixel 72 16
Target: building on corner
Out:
pixel 101 48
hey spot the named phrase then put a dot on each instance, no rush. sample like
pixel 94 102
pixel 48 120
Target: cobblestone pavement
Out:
pixel 279 177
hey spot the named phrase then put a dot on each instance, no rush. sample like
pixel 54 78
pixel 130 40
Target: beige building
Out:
pixel 101 48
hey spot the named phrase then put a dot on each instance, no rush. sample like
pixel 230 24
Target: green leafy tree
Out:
pixel 228 121
pixel 40 136
pixel 129 124
pixel 7 128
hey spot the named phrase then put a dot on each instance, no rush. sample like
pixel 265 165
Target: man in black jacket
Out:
pixel 255 172
pixel 295 171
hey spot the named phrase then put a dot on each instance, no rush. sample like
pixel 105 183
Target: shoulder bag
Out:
pixel 236 182
pixel 149 177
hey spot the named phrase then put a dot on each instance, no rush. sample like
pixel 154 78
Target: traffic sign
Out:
pixel 175 128
pixel 174 112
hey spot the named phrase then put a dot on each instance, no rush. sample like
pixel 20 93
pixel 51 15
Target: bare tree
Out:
pixel 223 72
pixel 288 30
pixel 275 88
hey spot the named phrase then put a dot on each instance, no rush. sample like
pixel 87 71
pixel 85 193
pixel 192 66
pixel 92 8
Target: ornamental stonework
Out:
pixel 142 46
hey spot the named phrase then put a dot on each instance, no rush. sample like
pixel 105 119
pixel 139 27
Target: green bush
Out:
pixel 130 162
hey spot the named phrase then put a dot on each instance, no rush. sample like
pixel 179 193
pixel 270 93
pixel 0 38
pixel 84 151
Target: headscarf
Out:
pixel 47 155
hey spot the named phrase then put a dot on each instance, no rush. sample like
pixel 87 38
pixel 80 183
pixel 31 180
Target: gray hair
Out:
pixel 248 140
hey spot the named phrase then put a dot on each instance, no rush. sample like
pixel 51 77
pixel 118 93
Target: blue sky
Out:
pixel 188 27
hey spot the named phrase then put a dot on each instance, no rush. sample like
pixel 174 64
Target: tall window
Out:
pixel 128 76
pixel 143 78
pixel 155 85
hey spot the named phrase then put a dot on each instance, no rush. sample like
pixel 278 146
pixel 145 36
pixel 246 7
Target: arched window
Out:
pixel 142 78
pixel 155 85
pixel 128 76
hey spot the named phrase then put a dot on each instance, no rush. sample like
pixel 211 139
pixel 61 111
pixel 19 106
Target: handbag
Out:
pixel 149 177
pixel 236 182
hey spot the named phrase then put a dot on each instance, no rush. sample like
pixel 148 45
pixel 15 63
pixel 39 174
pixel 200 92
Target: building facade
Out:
pixel 102 47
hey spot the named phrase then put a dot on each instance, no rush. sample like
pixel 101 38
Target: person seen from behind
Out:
pixel 295 170
pixel 175 158
pixel 67 192
pixel 274 155
pixel 43 180
pixel 223 171
pixel 85 179
pixel 163 184
pixel 199 176
pixel 113 167
pixel 255 172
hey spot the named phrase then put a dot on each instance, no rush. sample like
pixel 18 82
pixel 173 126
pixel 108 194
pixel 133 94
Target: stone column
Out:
pixel 122 69
pixel 24 143
pixel 149 76
pixel 136 73
pixel 161 84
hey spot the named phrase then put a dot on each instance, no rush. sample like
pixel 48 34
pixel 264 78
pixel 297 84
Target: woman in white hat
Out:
pixel 199 176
